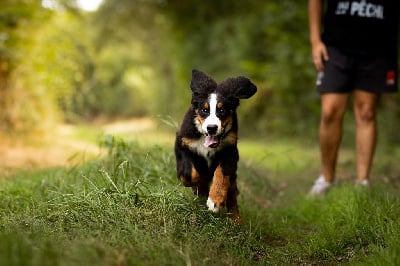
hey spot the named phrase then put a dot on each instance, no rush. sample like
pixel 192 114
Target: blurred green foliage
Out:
pixel 134 58
pixel 19 105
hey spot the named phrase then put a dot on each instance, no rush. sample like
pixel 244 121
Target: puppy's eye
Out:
pixel 221 111
pixel 204 110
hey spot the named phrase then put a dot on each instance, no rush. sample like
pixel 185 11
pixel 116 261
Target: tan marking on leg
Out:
pixel 219 188
pixel 194 180
pixel 195 175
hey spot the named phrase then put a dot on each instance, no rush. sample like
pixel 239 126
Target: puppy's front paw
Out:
pixel 212 206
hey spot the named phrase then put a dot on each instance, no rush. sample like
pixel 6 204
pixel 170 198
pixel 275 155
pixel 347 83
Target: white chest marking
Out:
pixel 207 153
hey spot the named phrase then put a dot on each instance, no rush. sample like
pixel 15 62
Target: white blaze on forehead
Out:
pixel 212 119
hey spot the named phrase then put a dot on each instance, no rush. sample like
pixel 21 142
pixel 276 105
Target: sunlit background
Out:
pixel 89 5
pixel 79 61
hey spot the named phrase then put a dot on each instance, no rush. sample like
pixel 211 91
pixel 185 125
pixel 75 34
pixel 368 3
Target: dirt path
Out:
pixel 58 150
pixel 62 148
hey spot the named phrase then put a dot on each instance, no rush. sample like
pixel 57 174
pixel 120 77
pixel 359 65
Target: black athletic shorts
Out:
pixel 344 72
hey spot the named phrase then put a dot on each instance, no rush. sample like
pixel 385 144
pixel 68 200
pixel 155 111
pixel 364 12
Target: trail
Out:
pixel 62 148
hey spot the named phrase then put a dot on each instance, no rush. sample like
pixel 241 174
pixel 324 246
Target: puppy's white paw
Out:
pixel 212 206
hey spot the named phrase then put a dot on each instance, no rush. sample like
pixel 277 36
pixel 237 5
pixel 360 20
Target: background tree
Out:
pixel 134 58
pixel 18 22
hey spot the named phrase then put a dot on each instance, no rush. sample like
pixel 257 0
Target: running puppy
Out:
pixel 206 144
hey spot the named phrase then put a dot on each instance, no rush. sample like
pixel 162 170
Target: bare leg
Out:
pixel 365 104
pixel 330 131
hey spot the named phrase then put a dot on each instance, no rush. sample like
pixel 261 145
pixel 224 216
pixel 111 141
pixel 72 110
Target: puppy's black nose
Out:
pixel 212 129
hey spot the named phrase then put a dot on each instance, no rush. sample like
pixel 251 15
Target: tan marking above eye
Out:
pixel 220 105
pixel 206 105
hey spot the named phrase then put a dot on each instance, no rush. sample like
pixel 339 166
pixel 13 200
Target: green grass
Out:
pixel 129 209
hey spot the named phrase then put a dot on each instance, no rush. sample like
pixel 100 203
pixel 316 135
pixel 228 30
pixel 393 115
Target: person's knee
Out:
pixel 365 106
pixel 365 116
pixel 330 116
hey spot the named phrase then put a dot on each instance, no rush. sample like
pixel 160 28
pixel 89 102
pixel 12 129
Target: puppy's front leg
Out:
pixel 231 202
pixel 218 190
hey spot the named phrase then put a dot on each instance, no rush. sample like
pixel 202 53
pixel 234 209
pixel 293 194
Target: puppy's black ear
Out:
pixel 240 87
pixel 201 83
pixel 245 88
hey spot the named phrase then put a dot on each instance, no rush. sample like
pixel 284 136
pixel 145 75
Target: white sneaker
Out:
pixel 363 183
pixel 320 186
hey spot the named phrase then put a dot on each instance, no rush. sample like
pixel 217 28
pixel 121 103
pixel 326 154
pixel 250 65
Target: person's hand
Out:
pixel 319 55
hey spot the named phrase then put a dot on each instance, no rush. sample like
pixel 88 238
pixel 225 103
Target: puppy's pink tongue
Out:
pixel 211 141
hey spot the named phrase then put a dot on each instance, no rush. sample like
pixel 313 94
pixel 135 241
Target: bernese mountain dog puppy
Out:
pixel 206 144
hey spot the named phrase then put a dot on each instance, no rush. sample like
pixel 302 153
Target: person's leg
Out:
pixel 334 85
pixel 365 105
pixel 333 107
pixel 330 131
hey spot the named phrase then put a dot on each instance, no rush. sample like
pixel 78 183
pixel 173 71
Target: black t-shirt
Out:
pixel 362 26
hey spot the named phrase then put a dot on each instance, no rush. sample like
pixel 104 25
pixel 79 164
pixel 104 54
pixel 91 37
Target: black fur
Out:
pixel 198 166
